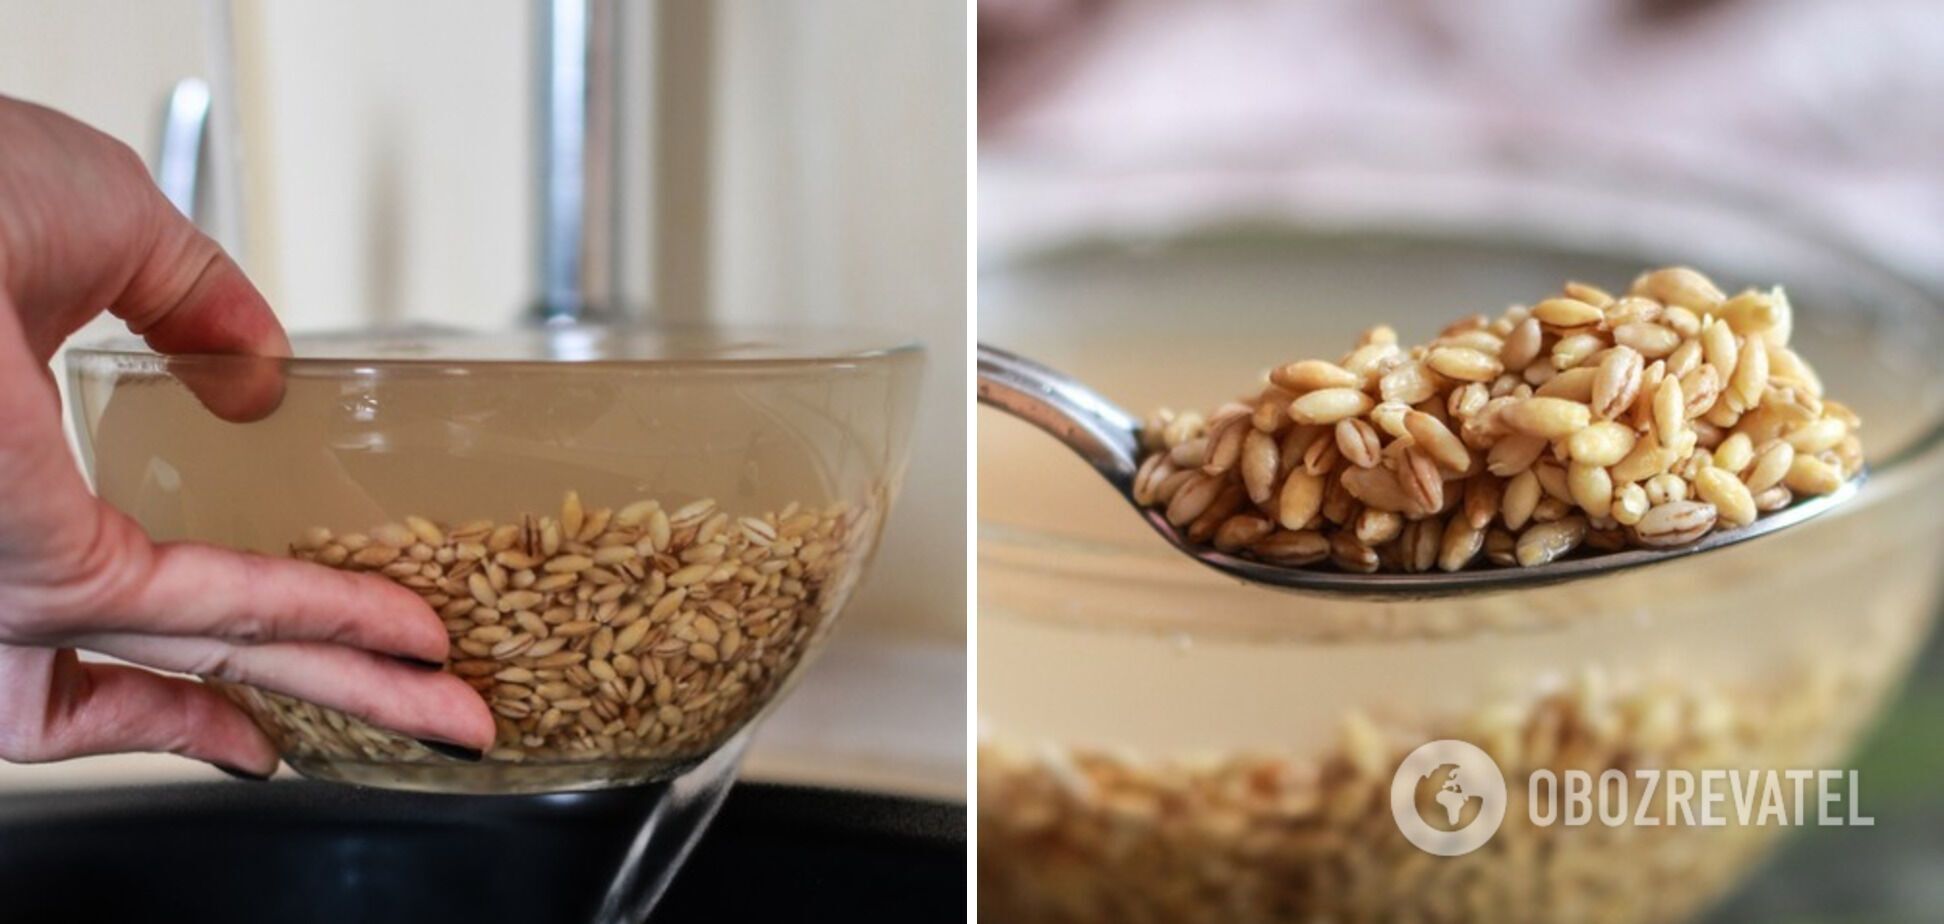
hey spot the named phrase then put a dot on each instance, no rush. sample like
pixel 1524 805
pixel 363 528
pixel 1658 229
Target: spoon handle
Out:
pixel 1093 427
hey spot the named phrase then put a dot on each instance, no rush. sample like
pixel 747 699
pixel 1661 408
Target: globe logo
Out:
pixel 1444 787
pixel 1448 798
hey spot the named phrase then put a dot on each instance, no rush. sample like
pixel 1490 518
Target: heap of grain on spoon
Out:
pixel 1663 421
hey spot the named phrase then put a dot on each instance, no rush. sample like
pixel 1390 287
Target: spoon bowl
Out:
pixel 1108 438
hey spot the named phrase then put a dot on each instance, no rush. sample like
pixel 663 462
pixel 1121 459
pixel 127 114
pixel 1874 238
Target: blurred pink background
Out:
pixel 1828 111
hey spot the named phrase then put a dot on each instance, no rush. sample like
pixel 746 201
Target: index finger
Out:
pixel 202 590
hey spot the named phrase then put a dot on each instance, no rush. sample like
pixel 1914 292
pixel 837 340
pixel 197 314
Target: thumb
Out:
pixel 188 297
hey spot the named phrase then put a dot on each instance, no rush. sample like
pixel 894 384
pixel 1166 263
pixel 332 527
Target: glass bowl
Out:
pixel 636 538
pixel 1158 742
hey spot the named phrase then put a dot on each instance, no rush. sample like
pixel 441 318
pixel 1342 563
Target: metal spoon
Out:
pixel 1109 439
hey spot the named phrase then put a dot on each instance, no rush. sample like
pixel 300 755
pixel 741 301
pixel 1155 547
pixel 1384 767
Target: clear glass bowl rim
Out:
pixel 740 350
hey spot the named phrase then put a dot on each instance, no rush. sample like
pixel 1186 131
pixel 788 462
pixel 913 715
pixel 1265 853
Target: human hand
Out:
pixel 82 228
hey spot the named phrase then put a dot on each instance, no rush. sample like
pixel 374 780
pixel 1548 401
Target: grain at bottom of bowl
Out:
pixel 1082 835
pixel 640 635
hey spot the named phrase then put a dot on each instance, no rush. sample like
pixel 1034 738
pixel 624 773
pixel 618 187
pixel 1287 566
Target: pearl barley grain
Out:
pixel 1648 419
pixel 550 623
pixel 1073 832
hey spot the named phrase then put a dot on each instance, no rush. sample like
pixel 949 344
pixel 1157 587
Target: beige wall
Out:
pixel 841 198
pixel 388 176
pixel 104 61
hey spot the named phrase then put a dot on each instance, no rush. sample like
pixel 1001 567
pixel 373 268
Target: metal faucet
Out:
pixel 585 194
pixel 578 183
pixel 595 100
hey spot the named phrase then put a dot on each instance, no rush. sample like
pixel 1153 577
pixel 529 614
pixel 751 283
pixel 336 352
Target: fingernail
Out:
pixel 419 663
pixel 454 751
pixel 241 773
